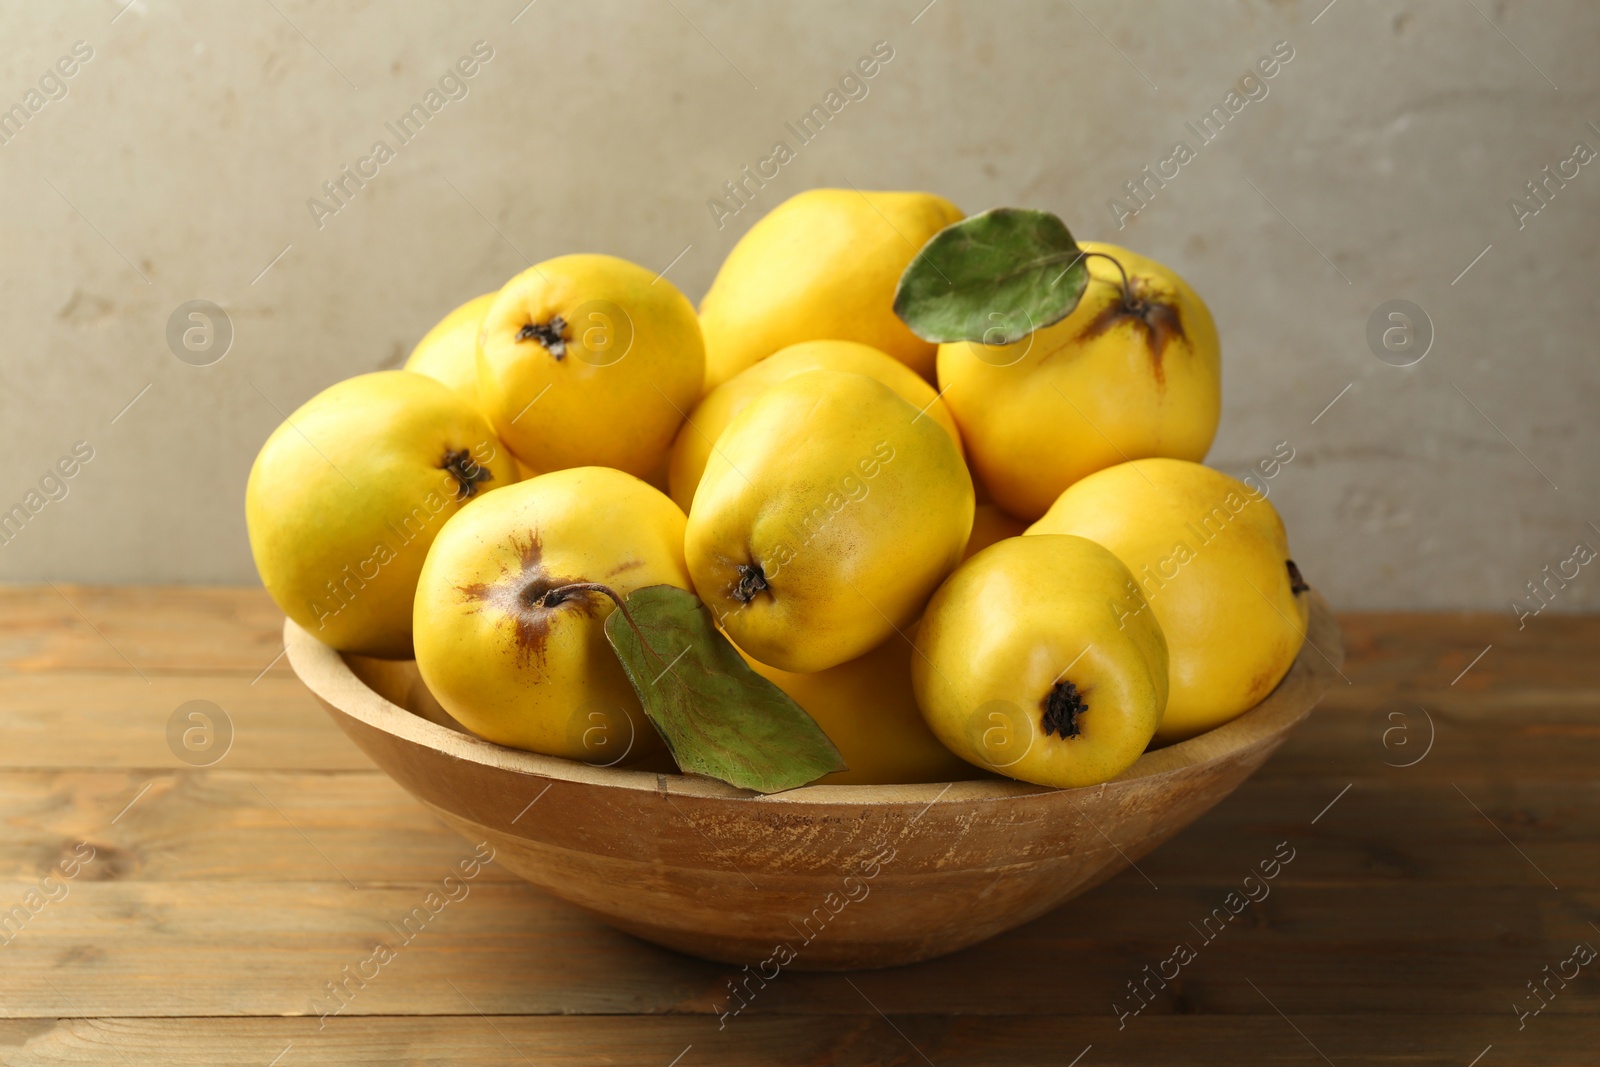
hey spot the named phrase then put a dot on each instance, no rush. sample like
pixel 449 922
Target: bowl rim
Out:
pixel 330 678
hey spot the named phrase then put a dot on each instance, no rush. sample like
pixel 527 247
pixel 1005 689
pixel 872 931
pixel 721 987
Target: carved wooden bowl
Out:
pixel 826 877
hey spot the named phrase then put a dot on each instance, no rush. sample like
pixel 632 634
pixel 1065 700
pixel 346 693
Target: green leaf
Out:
pixel 994 278
pixel 718 717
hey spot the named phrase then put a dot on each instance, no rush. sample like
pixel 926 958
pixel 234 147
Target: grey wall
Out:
pixel 1377 167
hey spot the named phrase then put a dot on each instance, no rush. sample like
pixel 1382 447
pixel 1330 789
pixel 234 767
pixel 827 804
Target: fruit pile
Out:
pixel 787 539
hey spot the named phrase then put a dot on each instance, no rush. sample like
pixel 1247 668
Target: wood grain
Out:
pixel 219 824
pixel 238 948
pixel 705 868
pixel 87 719
pixel 866 1040
pixel 134 629
pixel 1400 934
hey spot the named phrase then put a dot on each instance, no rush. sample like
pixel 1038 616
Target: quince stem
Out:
pixel 1130 303
pixel 565 592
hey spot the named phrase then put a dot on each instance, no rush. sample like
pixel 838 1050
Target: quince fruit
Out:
pixel 449 352
pixel 701 430
pixel 868 710
pixel 1021 668
pixel 822 264
pixel 348 493
pixel 506 644
pixel 990 525
pixel 1210 556
pixel 589 360
pixel 1135 370
pixel 828 512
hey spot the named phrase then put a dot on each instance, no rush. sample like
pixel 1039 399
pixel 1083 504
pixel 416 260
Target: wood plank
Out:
pixel 226 826
pixel 132 629
pixel 1535 686
pixel 1507 732
pixel 1526 708
pixel 231 825
pixel 867 1040
pixel 84 719
pixel 1394 650
pixel 239 948
pixel 87 721
pixel 1378 833
pixel 1401 933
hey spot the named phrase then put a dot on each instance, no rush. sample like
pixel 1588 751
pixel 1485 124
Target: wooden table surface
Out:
pixel 197 914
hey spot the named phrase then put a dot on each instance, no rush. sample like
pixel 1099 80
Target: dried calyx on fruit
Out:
pixel 552 334
pixel 1062 709
pixel 467 472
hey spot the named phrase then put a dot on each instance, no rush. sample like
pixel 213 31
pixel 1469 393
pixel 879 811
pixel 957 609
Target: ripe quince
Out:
pixel 828 512
pixel 701 430
pixel 990 525
pixel 449 352
pixel 822 264
pixel 510 651
pixel 1135 370
pixel 1210 556
pixel 589 360
pixel 868 710
pixel 348 493
pixel 1022 669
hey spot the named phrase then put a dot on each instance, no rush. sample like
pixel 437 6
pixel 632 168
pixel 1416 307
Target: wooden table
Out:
pixel 221 900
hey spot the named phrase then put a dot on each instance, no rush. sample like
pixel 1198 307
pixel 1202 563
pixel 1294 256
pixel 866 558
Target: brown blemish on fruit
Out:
pixel 552 334
pixel 1156 318
pixel 520 595
pixel 1297 584
pixel 621 568
pixel 1261 685
pixel 1063 706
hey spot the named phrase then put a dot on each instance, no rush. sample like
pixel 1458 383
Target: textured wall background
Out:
pixel 1378 166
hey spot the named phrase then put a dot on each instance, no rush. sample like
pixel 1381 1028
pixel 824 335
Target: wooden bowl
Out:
pixel 826 877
